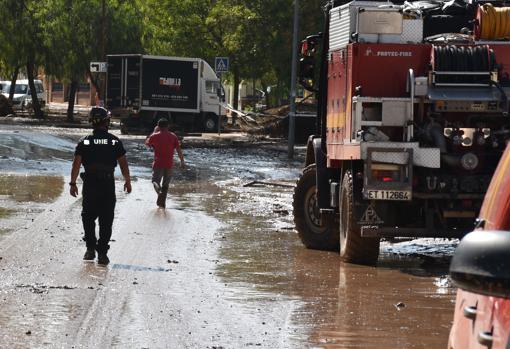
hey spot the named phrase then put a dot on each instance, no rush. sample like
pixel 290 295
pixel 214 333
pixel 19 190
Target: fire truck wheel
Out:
pixel 353 247
pixel 316 231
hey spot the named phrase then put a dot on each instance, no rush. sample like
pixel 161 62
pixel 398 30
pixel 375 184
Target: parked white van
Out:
pixel 22 98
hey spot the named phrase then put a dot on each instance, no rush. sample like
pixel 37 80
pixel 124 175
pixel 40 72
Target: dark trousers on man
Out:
pixel 98 203
pixel 162 176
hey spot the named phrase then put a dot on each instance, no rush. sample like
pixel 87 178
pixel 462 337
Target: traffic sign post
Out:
pixel 98 67
pixel 221 65
pixel 220 119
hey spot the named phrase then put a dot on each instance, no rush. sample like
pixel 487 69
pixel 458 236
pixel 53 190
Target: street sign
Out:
pixel 221 64
pixel 98 67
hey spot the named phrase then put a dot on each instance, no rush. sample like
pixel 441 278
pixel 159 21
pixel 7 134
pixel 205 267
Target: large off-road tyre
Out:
pixel 316 231
pixel 353 247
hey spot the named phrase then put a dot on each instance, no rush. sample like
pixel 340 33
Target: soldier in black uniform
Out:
pixel 99 153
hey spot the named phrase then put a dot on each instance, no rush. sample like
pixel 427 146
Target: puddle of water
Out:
pixel 4 213
pixel 405 302
pixel 39 189
pixel 22 197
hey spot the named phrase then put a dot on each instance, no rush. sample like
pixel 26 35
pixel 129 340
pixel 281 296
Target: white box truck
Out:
pixel 140 89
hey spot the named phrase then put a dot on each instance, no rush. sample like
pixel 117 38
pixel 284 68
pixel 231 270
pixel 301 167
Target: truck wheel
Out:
pixel 210 122
pixel 316 231
pixel 353 247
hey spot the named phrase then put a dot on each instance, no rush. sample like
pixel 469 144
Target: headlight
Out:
pixel 469 161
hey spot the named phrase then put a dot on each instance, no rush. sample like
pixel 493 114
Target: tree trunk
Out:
pixel 13 83
pixel 38 113
pixel 236 93
pixel 94 83
pixel 254 98
pixel 72 98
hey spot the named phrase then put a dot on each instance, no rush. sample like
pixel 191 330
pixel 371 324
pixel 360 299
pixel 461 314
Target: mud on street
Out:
pixel 221 267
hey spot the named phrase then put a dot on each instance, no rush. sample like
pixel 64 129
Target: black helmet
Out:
pixel 98 115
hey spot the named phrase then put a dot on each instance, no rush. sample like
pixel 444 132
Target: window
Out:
pixel 20 89
pixel 211 86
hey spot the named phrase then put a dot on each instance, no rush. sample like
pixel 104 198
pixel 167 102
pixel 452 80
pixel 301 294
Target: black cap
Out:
pixel 98 115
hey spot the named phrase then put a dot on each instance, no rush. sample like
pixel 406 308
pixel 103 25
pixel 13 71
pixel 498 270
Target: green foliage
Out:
pixel 63 36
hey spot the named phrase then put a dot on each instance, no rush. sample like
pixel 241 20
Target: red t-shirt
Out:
pixel 164 144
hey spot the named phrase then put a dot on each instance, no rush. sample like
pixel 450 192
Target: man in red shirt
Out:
pixel 164 143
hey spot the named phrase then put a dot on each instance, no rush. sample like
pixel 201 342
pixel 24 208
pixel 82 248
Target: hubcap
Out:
pixel 209 124
pixel 313 214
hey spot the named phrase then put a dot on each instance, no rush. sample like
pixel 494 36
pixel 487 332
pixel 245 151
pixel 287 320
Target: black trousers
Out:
pixel 98 203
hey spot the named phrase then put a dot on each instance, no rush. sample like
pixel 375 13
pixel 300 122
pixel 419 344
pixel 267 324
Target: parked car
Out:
pixel 22 98
pixel 480 268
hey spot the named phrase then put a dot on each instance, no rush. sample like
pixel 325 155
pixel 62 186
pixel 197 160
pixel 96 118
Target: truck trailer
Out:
pixel 142 88
pixel 411 123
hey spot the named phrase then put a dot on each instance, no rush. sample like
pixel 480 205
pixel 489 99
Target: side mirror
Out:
pixel 481 263
pixel 310 45
pixel 309 48
pixel 307 73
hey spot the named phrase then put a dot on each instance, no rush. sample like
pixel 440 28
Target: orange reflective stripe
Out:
pixel 500 175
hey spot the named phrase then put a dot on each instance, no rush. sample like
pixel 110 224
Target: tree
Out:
pixel 86 31
pixel 255 34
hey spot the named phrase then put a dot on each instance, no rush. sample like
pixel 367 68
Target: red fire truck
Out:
pixel 411 126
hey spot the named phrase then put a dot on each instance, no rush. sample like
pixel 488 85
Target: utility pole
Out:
pixel 292 113
pixel 102 82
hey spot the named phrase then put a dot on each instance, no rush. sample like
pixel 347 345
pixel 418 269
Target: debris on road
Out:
pixel 400 306
pixel 271 184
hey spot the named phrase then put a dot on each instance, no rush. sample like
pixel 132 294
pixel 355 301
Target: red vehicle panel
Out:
pixel 381 69
pixel 492 313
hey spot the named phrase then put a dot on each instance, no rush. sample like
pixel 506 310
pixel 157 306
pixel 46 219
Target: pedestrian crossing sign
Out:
pixel 221 64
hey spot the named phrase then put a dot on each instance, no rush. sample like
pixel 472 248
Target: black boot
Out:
pixel 102 259
pixel 89 255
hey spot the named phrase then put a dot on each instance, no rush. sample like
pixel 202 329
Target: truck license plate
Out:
pixel 388 195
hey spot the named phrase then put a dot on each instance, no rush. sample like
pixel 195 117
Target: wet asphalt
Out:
pixel 221 267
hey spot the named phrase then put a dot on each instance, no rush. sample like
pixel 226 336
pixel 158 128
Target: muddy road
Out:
pixel 221 267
